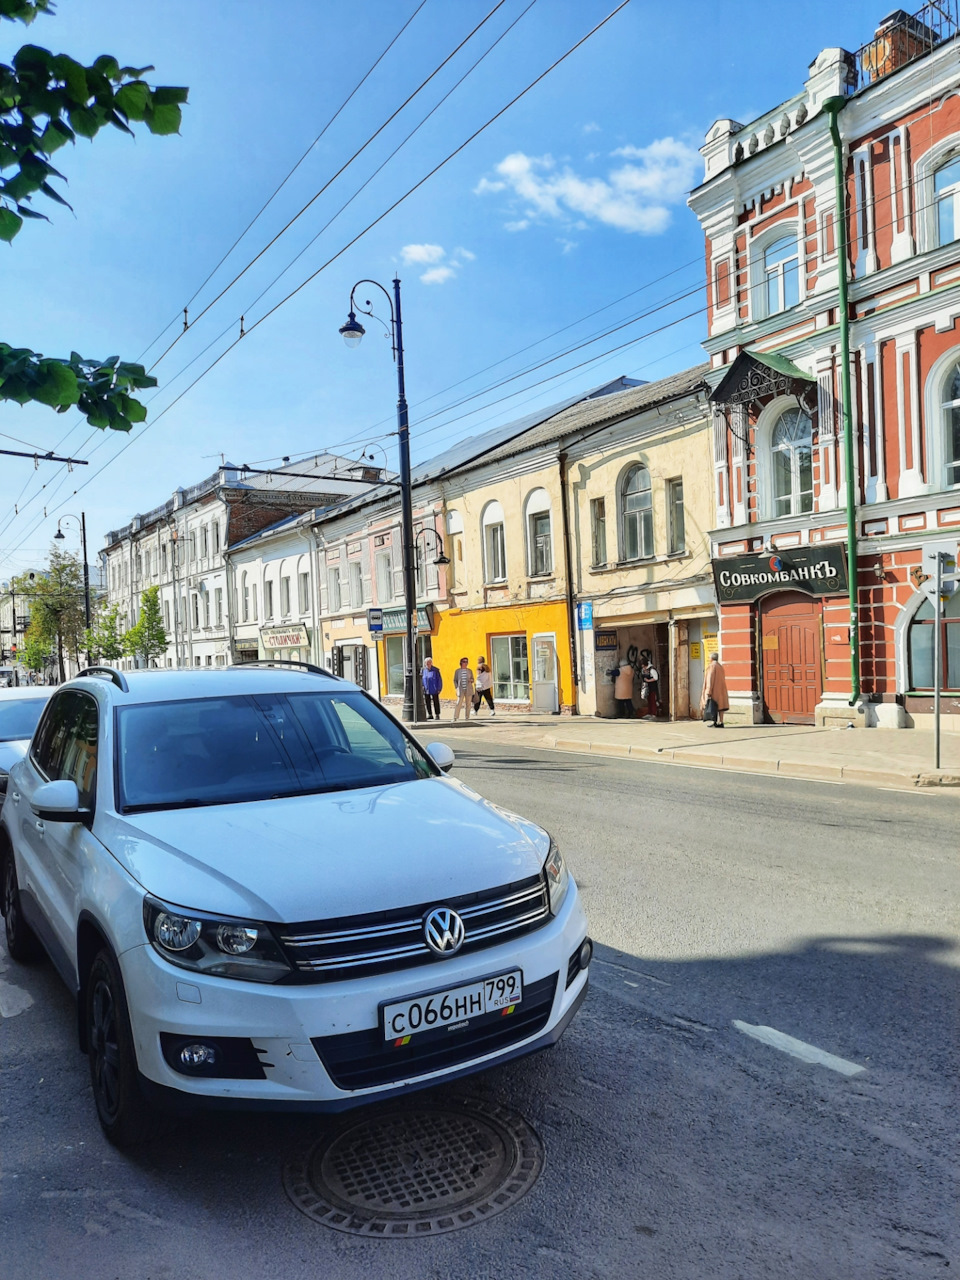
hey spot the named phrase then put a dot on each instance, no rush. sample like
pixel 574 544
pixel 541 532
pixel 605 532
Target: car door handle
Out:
pixel 15 797
pixel 40 827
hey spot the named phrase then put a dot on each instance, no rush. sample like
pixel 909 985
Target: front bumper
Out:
pixel 286 1023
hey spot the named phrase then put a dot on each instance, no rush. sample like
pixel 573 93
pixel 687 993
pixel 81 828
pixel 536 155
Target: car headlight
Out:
pixel 219 946
pixel 558 878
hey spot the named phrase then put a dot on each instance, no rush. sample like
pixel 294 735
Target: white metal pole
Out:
pixel 937 608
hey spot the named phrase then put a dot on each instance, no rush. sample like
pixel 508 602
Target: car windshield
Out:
pixel 18 717
pixel 207 751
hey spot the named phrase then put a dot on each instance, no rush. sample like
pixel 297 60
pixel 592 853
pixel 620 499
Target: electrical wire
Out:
pixel 276 191
pixel 316 196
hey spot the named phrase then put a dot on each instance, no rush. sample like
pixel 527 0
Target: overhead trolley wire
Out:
pixel 316 196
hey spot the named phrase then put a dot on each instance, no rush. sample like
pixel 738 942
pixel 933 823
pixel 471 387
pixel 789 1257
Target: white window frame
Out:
pixel 538 504
pixel 935 403
pixel 303 591
pixel 925 204
pixel 334 601
pixel 494 540
pixel 763 451
pixel 454 526
pixel 788 229
pixel 285 596
pixel 384 575
pixel 644 552
pixel 355 572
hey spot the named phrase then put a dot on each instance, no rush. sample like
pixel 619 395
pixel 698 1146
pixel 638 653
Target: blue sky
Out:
pixel 571 201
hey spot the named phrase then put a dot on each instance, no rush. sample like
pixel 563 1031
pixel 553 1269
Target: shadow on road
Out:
pixel 677 1147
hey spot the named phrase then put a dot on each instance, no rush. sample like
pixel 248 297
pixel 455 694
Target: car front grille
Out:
pixel 363 1059
pixel 331 950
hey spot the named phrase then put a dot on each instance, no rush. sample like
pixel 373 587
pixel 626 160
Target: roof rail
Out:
pixel 285 662
pixel 111 673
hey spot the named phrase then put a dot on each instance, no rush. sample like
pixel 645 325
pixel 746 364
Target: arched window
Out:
pixel 791 444
pixel 781 271
pixel 636 515
pixel 951 424
pixel 921 646
pixel 946 190
pixel 494 544
pixel 539 539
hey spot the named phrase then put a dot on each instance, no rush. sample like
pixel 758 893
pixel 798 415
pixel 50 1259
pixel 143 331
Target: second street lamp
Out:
pixel 352 332
pixel 59 535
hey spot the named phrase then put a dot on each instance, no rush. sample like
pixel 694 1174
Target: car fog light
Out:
pixel 176 933
pixel 198 1055
pixel 235 939
pixel 586 953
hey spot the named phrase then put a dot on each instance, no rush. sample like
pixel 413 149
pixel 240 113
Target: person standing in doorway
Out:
pixel 623 689
pixel 484 687
pixel 463 682
pixel 651 688
pixel 714 700
pixel 432 684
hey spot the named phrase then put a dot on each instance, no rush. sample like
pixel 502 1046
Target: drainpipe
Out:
pixel 833 107
pixel 568 565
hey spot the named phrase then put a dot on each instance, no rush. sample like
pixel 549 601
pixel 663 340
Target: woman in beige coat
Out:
pixel 715 687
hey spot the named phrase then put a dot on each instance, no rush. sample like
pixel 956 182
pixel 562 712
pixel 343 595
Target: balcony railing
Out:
pixel 902 38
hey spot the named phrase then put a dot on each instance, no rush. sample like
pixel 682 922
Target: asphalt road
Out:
pixel 678 1146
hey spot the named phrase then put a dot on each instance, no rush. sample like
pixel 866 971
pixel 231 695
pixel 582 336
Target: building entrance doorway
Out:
pixel 791 656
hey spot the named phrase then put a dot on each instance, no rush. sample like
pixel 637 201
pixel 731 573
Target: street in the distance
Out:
pixel 678 1143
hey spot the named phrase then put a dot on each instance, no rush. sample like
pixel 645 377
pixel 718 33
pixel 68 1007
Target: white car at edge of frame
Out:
pixel 265 893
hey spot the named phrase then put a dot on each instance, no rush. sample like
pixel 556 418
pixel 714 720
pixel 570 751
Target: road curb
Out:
pixel 810 771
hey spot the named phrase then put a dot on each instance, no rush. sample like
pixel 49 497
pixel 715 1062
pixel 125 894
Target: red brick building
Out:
pixel 769 210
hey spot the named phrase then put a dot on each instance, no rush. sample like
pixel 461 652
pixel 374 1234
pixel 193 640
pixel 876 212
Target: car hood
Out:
pixel 317 857
pixel 11 752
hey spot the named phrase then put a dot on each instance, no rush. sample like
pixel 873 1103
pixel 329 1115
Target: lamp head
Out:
pixel 352 331
pixel 59 536
pixel 442 559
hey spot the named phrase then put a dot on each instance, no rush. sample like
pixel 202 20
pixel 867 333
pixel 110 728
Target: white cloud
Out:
pixel 592 127
pixel 485 185
pixel 465 254
pixel 566 246
pixel 633 197
pixel 438 275
pixel 421 254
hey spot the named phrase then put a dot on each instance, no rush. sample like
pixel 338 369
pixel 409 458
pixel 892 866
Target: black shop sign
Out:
pixel 819 571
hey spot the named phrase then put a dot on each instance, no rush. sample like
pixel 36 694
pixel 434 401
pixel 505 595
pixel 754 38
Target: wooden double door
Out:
pixel 790 647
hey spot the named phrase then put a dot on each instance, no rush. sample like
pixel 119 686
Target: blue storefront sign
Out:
pixel 585 616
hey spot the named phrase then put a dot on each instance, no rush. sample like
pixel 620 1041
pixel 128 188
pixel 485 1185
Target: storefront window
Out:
pixel 511 674
pixel 921 646
pixel 393 647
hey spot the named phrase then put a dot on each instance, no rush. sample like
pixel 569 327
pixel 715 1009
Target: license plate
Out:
pixel 441 1009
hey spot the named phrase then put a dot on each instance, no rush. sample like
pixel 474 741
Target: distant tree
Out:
pixel 104 640
pixel 55 597
pixel 36 649
pixel 46 101
pixel 148 639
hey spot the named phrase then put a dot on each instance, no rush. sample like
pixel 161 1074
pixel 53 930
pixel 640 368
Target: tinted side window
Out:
pixel 79 760
pixel 48 740
pixel 66 742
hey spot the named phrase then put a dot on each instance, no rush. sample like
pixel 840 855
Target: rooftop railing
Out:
pixel 902 38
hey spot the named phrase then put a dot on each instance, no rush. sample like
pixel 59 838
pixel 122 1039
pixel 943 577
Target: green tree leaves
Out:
pixel 46 101
pixel 104 641
pixel 147 640
pixel 102 391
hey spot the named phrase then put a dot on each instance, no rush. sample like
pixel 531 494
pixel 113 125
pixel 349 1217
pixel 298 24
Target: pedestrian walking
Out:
pixel 484 691
pixel 714 700
pixel 432 684
pixel 651 688
pixel 464 683
pixel 623 689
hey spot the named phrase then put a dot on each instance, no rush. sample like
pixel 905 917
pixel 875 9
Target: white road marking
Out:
pixel 799 1049
pixel 13 1000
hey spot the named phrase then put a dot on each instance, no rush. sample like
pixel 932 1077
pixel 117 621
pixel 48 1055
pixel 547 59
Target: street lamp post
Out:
pixel 86 568
pixel 352 332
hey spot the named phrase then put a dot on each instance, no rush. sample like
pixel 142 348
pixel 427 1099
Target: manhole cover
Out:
pixel 416 1170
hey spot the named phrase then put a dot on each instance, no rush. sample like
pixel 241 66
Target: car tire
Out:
pixel 22 943
pixel 126 1117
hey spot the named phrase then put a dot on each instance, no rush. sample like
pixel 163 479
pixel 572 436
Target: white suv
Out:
pixel 264 892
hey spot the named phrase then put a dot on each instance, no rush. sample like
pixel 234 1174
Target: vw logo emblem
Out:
pixel 444 931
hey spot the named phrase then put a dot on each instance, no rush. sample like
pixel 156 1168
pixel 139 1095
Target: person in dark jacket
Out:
pixel 432 684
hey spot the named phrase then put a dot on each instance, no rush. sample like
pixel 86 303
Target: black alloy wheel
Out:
pixel 22 942
pixel 125 1115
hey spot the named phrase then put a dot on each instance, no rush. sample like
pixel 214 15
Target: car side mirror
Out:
pixel 59 802
pixel 441 755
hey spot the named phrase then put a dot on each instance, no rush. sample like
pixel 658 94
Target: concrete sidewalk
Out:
pixel 872 757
